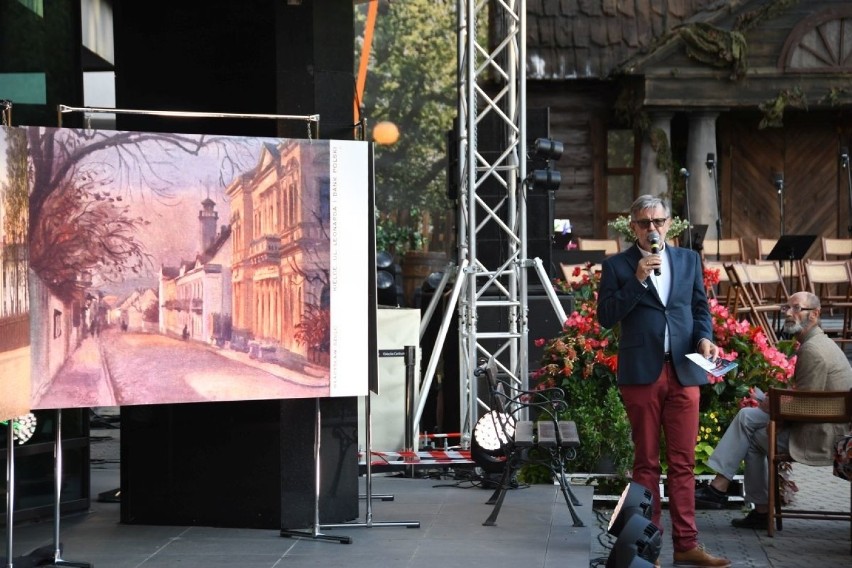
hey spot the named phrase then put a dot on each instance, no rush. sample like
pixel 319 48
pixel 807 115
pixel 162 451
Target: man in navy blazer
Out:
pixel 656 293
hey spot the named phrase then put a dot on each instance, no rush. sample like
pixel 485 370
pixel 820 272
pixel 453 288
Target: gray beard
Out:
pixel 792 328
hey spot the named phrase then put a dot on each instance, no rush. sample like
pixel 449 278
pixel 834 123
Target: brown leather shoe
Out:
pixel 699 557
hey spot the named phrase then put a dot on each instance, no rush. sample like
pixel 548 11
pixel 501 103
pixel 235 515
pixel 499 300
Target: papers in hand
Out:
pixel 716 367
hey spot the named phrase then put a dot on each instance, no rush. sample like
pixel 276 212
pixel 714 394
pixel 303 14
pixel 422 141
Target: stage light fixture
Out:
pixel 24 427
pixel 637 546
pixel 543 176
pixel 638 539
pixel 490 435
pixel 635 499
pixel 388 287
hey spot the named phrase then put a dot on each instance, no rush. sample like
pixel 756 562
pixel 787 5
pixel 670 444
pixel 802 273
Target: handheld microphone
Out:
pixel 654 239
pixel 684 172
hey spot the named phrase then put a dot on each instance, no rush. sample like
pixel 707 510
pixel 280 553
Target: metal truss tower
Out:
pixel 490 290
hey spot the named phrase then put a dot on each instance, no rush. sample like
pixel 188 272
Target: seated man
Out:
pixel 821 365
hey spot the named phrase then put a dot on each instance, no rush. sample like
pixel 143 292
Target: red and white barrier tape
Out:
pixel 426 457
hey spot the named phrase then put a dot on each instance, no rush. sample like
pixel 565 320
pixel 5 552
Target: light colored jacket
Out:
pixel 820 365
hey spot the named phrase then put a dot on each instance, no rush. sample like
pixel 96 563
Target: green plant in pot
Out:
pixel 621 225
pixel 582 361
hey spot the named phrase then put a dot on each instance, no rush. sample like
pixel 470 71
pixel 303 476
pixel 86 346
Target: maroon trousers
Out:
pixel 668 405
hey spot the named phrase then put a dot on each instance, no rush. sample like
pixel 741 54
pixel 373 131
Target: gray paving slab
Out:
pixel 534 530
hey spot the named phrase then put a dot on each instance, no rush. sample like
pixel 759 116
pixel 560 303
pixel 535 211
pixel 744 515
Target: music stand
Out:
pixel 697 234
pixel 791 248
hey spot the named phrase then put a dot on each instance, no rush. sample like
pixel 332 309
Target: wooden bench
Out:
pixel 546 440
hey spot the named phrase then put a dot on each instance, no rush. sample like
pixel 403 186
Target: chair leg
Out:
pixel 501 494
pixel 772 507
pixel 570 499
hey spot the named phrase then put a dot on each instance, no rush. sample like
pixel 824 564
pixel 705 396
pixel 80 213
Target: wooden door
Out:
pixel 804 154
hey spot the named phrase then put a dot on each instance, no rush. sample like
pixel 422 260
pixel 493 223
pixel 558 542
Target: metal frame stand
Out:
pixel 368 426
pixel 10 489
pixel 57 547
pixel 315 533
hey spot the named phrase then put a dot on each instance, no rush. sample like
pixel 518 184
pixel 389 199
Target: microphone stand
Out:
pixel 844 163
pixel 711 169
pixel 779 185
pixel 685 173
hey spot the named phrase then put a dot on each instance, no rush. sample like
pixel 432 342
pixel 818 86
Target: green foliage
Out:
pixel 396 238
pixel 773 110
pixel 582 361
pixel 412 82
pixel 717 47
pixel 621 225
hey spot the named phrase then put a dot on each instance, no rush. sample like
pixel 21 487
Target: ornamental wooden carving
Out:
pixel 820 43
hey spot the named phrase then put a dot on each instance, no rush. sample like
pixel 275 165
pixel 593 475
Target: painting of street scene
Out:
pixel 14 305
pixel 169 268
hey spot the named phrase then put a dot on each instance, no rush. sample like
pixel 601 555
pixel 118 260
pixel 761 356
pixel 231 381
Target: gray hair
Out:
pixel 647 201
pixel 811 299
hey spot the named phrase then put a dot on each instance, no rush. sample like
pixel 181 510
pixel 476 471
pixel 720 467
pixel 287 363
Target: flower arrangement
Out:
pixel 621 225
pixel 583 361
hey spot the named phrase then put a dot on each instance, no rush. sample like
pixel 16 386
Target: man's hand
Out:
pixel 647 265
pixel 708 349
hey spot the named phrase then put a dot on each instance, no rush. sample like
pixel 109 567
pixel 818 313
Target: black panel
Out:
pixel 232 464
pixel 211 464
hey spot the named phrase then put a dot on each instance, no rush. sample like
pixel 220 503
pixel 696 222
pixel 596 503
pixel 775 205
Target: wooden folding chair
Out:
pixel 744 301
pixel 831 281
pixel 730 250
pixel 836 249
pixel 609 246
pixel 802 407
pixel 768 290
pixel 723 289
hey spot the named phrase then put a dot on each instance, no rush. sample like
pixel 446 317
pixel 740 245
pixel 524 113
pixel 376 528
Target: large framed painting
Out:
pixel 14 299
pixel 171 268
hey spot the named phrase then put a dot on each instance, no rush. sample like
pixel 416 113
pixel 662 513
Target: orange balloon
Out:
pixel 385 133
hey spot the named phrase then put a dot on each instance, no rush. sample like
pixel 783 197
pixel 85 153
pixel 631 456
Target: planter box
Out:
pixel 735 491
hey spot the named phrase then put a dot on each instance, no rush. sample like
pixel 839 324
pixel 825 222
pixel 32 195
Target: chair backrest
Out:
pixel 823 272
pixel 729 249
pixel 836 248
pixel 766 282
pixel 810 406
pixel 609 246
pixel 764 246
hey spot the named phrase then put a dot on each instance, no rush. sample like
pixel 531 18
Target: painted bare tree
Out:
pixel 15 206
pixel 76 225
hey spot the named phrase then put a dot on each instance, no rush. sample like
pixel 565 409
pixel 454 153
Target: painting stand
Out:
pixel 315 533
pixel 368 514
pixel 57 547
pixel 10 488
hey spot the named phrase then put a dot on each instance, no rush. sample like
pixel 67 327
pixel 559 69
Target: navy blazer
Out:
pixel 643 317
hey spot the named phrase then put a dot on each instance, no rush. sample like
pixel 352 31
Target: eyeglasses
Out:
pixel 646 223
pixel 795 309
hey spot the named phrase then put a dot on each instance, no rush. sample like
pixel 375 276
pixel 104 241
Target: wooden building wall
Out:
pixel 806 150
pixel 578 115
